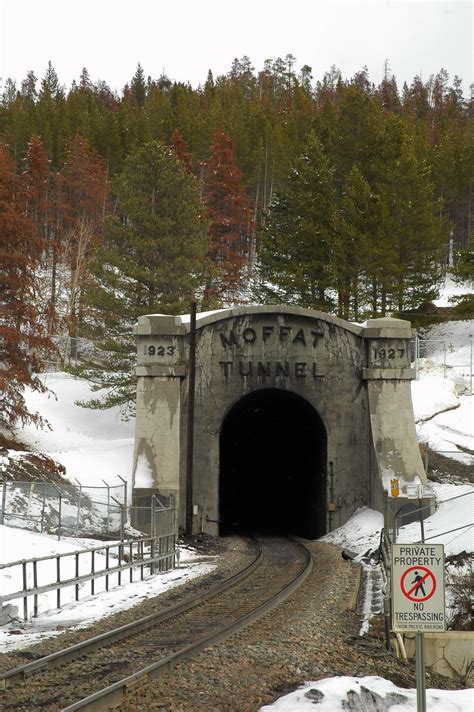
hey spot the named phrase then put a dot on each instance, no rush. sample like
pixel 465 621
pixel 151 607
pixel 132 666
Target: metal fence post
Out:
pixel 4 501
pixel 420 654
pixel 76 592
pixel 25 588
pixel 123 520
pixel 107 566
pixel 42 511
pixel 60 515
pixel 125 495
pixel 92 571
pixel 470 363
pixel 35 585
pixel 78 518
pixel 417 356
pixel 108 506
pixel 58 580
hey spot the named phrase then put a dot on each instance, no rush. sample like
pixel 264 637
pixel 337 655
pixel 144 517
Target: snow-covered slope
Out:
pixel 93 445
pixel 443 401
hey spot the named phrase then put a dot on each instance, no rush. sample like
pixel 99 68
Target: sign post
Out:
pixel 418 599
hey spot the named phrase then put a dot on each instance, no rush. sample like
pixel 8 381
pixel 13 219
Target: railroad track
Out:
pixel 102 672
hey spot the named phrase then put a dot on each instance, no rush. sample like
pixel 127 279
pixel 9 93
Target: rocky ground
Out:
pixel 311 636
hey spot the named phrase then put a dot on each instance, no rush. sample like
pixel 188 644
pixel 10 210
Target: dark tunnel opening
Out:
pixel 273 449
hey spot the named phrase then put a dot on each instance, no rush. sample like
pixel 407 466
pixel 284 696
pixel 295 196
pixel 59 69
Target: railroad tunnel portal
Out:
pixel 300 417
pixel 273 466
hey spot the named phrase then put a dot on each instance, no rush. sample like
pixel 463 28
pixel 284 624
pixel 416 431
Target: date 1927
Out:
pixel 159 350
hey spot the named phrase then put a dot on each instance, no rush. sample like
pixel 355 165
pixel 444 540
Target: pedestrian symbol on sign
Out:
pixel 418 583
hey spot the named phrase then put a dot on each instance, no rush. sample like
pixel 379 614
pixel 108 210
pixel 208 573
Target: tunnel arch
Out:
pixel 273 455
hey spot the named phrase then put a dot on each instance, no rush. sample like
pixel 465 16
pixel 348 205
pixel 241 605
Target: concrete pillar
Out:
pixel 160 370
pixel 388 375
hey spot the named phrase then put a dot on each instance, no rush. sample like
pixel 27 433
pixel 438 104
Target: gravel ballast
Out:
pixel 312 635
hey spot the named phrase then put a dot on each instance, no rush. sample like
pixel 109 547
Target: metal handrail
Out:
pixel 162 548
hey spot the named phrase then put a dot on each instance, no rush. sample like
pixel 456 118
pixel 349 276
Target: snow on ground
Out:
pixel 20 544
pixel 334 694
pixel 451 432
pixel 452 289
pixel 360 533
pixel 443 401
pixel 93 445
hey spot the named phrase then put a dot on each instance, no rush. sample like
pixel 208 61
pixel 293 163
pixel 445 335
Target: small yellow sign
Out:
pixel 395 487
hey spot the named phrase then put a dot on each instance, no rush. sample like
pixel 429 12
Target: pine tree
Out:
pixel 22 340
pixel 138 86
pixel 417 234
pixel 229 212
pixel 50 115
pixel 153 258
pixel 354 256
pixel 296 253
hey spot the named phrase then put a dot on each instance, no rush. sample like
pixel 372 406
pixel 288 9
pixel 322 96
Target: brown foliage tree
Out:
pixel 85 190
pixel 180 147
pixel 230 214
pixel 22 340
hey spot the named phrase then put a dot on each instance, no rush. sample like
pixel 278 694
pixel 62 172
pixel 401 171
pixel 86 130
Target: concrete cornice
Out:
pixel 151 324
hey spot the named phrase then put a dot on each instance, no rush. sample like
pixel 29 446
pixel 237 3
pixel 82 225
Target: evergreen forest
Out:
pixel 261 185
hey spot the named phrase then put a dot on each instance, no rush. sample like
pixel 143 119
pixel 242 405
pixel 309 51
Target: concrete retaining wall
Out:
pixel 450 654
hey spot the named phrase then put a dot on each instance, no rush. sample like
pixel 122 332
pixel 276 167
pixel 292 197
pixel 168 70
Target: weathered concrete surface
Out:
pixel 355 377
pixel 450 654
pixel 397 453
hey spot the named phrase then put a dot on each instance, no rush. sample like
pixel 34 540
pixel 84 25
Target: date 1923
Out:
pixel 159 350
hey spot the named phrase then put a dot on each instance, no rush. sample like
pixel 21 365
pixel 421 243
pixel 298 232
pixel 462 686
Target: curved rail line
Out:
pixel 16 675
pixel 201 621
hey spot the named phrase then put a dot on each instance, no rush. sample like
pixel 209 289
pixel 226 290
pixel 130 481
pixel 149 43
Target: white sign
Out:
pixel 418 588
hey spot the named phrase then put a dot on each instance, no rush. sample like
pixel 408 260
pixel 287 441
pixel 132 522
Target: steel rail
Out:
pixel 113 695
pixel 18 674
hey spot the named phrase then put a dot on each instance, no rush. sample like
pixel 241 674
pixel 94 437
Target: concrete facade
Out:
pixel 355 377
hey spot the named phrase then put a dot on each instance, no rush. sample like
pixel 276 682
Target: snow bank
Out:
pixel 360 533
pixel 451 431
pixel 335 694
pixel 432 394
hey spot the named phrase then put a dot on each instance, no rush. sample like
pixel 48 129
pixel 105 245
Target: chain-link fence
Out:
pixel 99 566
pixel 454 355
pixel 65 509
pixel 443 526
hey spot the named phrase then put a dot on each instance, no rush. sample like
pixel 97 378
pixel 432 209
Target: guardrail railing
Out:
pixel 155 553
